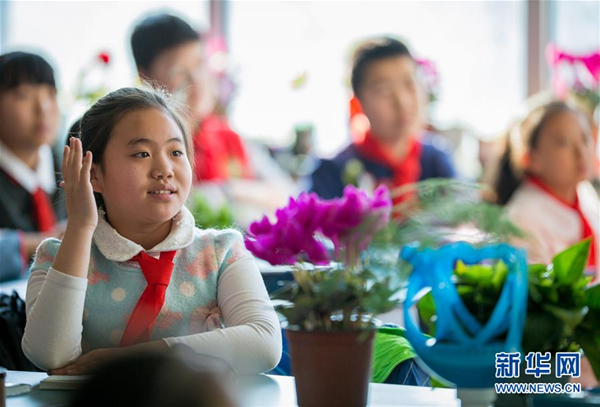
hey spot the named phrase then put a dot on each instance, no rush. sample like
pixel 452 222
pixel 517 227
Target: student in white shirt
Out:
pixel 31 206
pixel 543 181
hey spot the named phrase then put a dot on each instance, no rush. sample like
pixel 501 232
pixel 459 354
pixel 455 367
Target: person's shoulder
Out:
pixel 436 159
pixel 347 153
pixel 214 124
pixel 435 143
pixel 50 244
pixel 527 202
pixel 212 235
pixel 337 163
pixel 227 245
pixel 45 253
pixel 587 194
pixel 218 239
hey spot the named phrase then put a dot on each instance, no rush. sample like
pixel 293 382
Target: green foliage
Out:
pixel 587 334
pixel 334 299
pixel 352 171
pixel 562 311
pixel 435 211
pixel 208 217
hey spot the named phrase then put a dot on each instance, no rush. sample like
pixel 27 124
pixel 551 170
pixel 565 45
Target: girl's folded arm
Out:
pixel 55 301
pixel 251 339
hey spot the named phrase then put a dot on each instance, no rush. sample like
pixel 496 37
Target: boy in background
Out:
pixel 30 204
pixel 395 150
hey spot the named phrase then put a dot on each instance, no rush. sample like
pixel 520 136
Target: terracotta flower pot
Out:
pixel 331 368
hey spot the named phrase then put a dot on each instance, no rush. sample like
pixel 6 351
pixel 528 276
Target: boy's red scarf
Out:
pixel 405 171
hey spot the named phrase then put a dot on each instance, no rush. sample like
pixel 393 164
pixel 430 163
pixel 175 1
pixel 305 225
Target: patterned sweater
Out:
pixel 216 301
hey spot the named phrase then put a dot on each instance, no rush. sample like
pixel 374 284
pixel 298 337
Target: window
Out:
pixel 478 47
pixel 71 34
pixel 575 25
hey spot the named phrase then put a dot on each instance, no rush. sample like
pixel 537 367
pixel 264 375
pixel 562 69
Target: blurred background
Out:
pixel 286 62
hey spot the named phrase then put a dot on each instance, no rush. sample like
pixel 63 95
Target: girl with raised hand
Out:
pixel 132 272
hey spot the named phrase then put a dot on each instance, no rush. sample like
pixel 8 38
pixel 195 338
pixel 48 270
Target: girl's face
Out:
pixel 145 175
pixel 29 116
pixel 563 155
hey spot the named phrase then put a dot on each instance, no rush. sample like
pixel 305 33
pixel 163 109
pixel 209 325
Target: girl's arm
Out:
pixel 73 257
pixel 251 341
pixel 55 303
pixel 56 294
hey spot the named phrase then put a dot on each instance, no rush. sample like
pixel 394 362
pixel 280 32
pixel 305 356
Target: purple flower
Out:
pixel 349 220
pixel 292 234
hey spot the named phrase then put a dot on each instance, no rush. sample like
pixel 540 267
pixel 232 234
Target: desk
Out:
pixel 258 390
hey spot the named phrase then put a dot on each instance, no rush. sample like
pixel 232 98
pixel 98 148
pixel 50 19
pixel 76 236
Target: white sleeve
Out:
pixel 251 339
pixel 55 303
pixel 536 241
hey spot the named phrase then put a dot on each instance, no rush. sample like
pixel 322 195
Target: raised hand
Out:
pixel 81 205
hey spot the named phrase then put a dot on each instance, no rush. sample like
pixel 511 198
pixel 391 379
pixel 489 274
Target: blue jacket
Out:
pixel 327 179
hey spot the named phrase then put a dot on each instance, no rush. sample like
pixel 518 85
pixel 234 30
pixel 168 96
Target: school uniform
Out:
pixel 30 202
pixel 214 300
pixel 426 158
pixel 552 224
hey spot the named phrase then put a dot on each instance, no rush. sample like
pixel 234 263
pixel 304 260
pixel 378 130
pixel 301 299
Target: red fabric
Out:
pixel 586 229
pixel 406 170
pixel 158 274
pixel 357 121
pixel 219 152
pixel 43 213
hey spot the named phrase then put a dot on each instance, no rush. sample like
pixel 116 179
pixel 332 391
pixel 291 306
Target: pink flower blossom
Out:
pixel 299 227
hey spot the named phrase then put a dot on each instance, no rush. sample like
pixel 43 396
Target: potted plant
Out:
pixel 331 303
pixel 563 310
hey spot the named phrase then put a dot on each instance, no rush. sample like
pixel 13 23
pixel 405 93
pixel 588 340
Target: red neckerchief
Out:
pixel 158 275
pixel 405 171
pixel 219 152
pixel 41 207
pixel 587 231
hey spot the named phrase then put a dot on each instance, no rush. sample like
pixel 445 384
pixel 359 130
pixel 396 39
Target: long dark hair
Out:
pixel 520 139
pixel 97 124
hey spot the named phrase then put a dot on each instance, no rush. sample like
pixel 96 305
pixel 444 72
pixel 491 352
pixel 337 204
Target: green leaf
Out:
pixel 499 276
pixel 426 308
pixel 569 265
pixel 571 317
pixel 592 297
pixel 588 338
pixel 477 274
pixel 543 332
pixel 206 216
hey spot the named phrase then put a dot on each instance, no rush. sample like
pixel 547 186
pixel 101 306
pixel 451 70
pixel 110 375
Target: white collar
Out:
pixel 43 176
pixel 118 248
